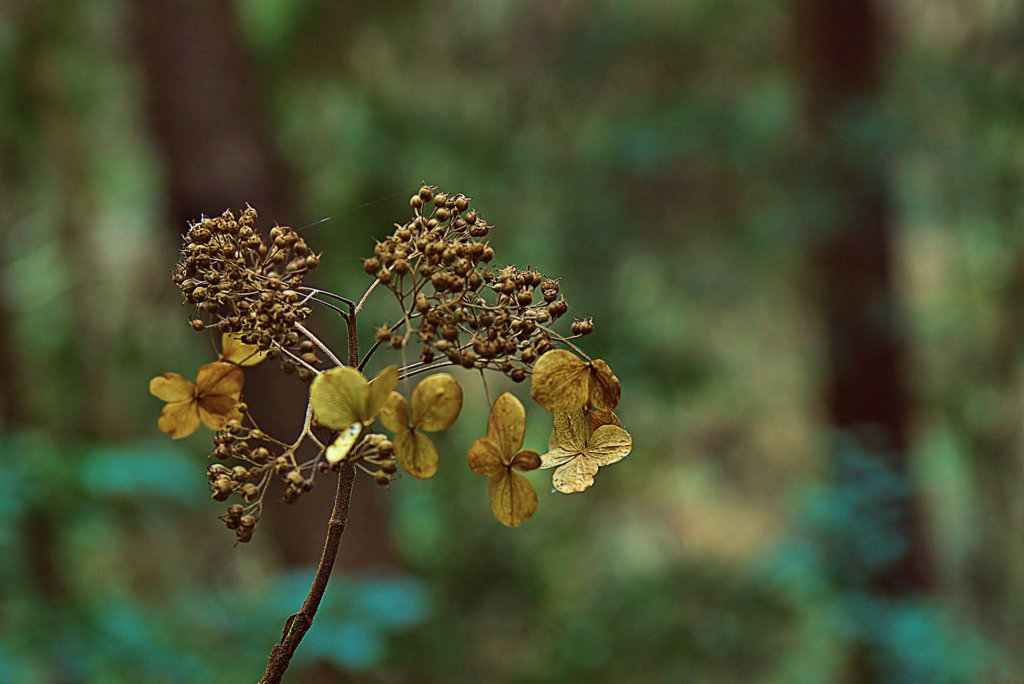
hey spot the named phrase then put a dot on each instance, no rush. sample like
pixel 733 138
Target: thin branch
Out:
pixel 316 340
pixel 359 306
pixel 298 624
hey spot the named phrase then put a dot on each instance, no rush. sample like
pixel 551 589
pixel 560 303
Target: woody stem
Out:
pixel 298 624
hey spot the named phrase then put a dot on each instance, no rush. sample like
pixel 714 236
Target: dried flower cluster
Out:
pixel 245 284
pixel 453 303
pixel 460 311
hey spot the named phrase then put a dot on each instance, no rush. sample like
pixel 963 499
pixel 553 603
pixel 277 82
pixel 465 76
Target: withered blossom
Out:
pixel 436 403
pixel 499 454
pixel 563 382
pixel 211 400
pixel 578 452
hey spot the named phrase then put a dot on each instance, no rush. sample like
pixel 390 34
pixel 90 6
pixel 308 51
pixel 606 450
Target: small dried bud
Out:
pixel 197 324
pixel 371 265
pixel 416 202
pixel 382 478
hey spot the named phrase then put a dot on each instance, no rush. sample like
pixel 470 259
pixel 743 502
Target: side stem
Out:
pixel 298 624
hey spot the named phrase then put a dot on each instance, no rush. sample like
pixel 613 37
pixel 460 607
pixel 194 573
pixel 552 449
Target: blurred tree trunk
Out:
pixel 842 45
pixel 205 115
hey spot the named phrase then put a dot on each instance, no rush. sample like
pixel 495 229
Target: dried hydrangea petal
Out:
pixel 506 424
pixel 571 430
pixel 338 397
pixel 171 387
pixel 575 476
pixel 219 378
pixel 561 381
pixel 485 457
pixel 436 402
pixel 609 444
pixel 378 391
pixel 526 460
pixel 513 499
pixel 416 453
pixel 604 386
pixel 179 419
pixel 394 414
pixel 339 449
pixel 233 350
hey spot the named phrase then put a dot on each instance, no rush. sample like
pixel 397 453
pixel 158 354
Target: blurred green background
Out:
pixel 796 224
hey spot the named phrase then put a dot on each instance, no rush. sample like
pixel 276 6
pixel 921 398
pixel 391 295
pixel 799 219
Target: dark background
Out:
pixel 798 228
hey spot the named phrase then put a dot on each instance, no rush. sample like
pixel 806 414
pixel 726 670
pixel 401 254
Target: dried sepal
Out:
pixel 497 455
pixel 341 397
pixel 436 403
pixel 394 414
pixel 341 446
pixel 233 350
pixel 211 400
pixel 563 382
pixel 416 453
pixel 579 452
pixel 513 498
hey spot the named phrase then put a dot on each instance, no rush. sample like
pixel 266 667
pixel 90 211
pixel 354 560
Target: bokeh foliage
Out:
pixel 655 156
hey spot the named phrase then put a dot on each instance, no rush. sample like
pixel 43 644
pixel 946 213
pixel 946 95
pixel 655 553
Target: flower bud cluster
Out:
pixel 250 478
pixel 244 283
pixel 456 305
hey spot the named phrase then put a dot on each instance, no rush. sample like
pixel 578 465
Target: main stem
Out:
pixel 296 626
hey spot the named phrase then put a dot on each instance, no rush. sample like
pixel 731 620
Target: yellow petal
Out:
pixel 233 350
pixel 604 386
pixel 338 397
pixel 378 392
pixel 561 381
pixel 609 444
pixel 575 476
pixel 526 460
pixel 218 405
pixel 179 419
pixel 513 498
pixel 436 402
pixel 217 420
pixel 557 456
pixel 171 387
pixel 395 413
pixel 219 378
pixel 571 430
pixel 343 444
pixel 507 423
pixel 416 453
pixel 485 458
